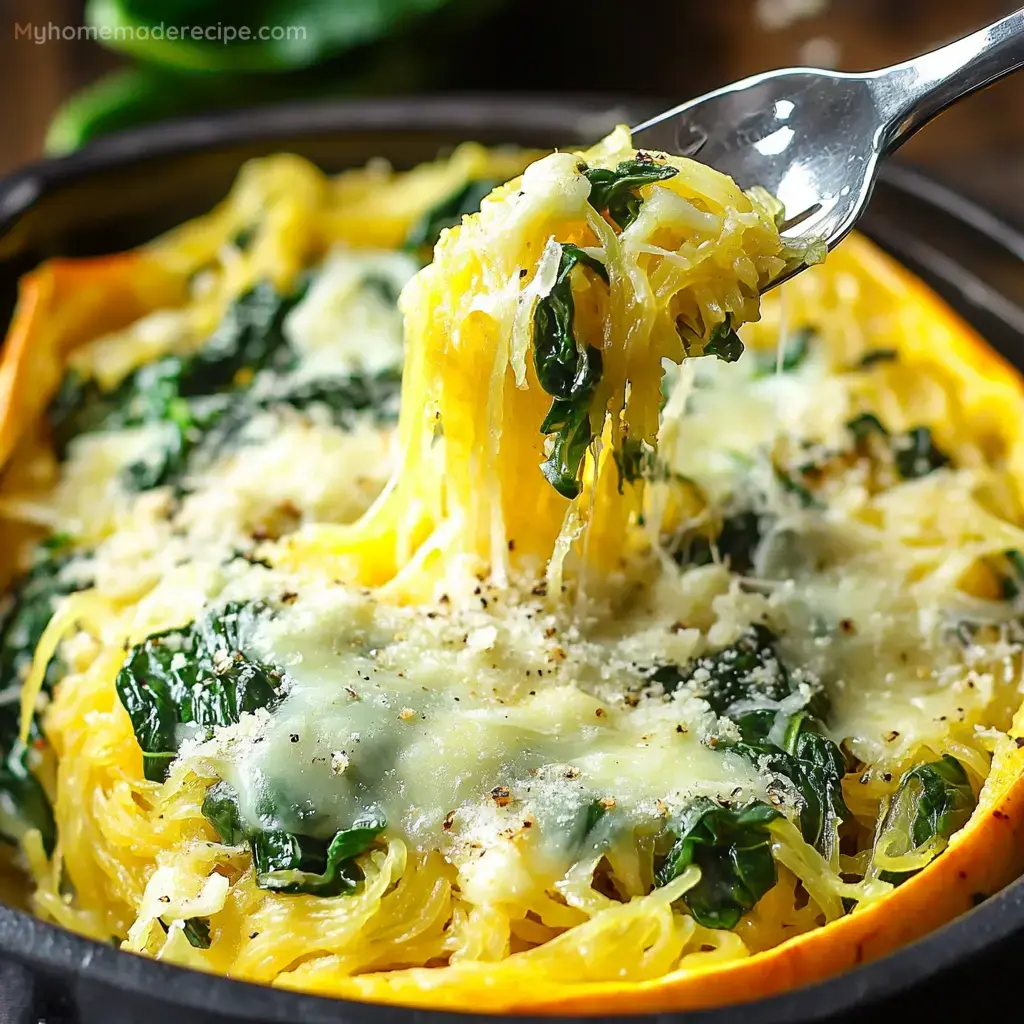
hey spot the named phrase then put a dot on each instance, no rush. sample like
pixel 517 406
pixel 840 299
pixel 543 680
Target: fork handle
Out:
pixel 909 95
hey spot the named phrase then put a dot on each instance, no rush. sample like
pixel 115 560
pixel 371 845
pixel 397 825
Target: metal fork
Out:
pixel 814 138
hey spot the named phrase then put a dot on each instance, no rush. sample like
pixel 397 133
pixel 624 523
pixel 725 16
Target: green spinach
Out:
pixel 748 669
pixel 809 759
pixel 567 371
pixel 615 191
pixel 26 612
pixel 915 453
pixel 196 676
pixel 933 799
pixel 633 461
pixel 292 864
pixel 202 402
pixel 736 544
pixel 197 931
pixel 1010 569
pixel 466 199
pixel 790 485
pixel 875 356
pixel 732 848
pixel 221 419
pixel 248 339
pixel 723 342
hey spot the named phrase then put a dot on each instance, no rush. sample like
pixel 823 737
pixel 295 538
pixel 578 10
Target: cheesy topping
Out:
pixel 628 652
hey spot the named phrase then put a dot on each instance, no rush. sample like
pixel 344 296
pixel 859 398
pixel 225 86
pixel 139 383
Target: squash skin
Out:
pixel 61 305
pixel 66 302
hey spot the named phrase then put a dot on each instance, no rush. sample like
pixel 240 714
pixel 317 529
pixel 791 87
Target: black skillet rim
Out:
pixel 53 951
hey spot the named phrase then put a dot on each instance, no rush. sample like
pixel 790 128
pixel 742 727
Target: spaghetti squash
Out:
pixel 433 588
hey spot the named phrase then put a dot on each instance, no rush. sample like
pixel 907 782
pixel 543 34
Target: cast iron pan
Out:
pixel 123 190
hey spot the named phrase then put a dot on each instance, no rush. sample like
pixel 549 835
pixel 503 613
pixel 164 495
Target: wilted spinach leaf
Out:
pixel 220 808
pixel 570 423
pixel 616 190
pixel 748 669
pixel 24 615
pixel 732 848
pixel 175 391
pixel 289 863
pixel 202 402
pixel 724 343
pixel 466 199
pixel 751 670
pixel 298 864
pixel 736 543
pixel 865 425
pixel 809 759
pixel 1010 569
pixel 196 676
pixel 798 346
pixel 878 355
pixel 933 799
pixel 914 453
pixel 567 372
pixel 197 931
pixel 788 482
pixel 564 370
pixel 347 399
pixel 596 810
pixel 632 460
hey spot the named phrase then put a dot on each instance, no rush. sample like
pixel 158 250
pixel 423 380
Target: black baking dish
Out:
pixel 124 189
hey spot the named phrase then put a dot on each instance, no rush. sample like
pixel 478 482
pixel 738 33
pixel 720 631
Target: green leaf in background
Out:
pixel 359 47
pixel 300 32
pixel 423 235
pixel 117 101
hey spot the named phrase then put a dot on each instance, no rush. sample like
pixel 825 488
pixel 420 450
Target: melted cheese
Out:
pixel 487 724
pixel 471 656
pixel 467 483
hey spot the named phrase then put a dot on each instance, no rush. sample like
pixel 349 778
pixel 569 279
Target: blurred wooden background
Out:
pixel 671 48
